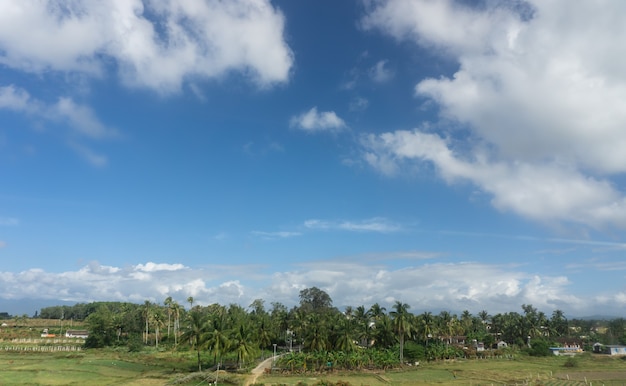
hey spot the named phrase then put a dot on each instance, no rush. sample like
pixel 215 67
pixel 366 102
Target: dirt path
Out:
pixel 258 371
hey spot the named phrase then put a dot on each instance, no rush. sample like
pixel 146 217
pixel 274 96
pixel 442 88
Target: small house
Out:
pixel 610 349
pixel 83 334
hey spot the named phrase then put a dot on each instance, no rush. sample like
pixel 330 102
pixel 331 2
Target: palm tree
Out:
pixel 217 340
pixel 146 315
pixel 377 311
pixel 168 303
pixel 176 310
pixel 195 332
pixel 263 337
pixel 316 332
pixel 363 325
pixel 384 336
pixel 242 343
pixel 190 301
pixel 466 322
pixel 401 323
pixel 157 319
pixel 343 334
pixel 426 325
pixel 484 316
pixel 558 323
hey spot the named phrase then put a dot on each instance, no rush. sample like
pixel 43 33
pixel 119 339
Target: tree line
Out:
pixel 314 329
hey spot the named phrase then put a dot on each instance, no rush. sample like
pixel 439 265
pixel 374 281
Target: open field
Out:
pixel 596 370
pixel 107 367
pixel 79 369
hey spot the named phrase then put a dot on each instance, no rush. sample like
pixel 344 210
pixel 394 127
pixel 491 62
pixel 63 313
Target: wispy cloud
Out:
pixel 81 119
pixel 358 104
pixel 376 224
pixel 275 235
pixel 314 121
pixel 380 72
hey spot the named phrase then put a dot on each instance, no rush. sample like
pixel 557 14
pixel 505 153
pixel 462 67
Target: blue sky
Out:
pixel 451 155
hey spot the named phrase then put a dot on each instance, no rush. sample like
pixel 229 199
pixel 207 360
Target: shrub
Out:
pixel 539 348
pixel 571 362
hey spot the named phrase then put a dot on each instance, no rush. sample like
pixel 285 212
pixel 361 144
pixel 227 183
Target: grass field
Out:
pixel 107 367
pixel 590 370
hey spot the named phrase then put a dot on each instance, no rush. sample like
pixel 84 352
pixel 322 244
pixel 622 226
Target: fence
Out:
pixel 44 341
pixel 40 348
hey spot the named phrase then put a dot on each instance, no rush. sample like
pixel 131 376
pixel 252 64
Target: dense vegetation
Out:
pixel 317 335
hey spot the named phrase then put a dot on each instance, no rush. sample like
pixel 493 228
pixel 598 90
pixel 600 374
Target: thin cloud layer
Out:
pixel 427 286
pixel 539 95
pixel 376 224
pixel 80 119
pixel 154 44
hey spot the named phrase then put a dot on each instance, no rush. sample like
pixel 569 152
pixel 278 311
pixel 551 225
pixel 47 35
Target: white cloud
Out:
pixel 380 73
pixel 540 95
pixel 359 104
pixel 426 286
pixel 546 192
pixel 79 117
pixel 276 235
pixel 154 267
pixel 376 224
pixel 12 98
pixel 313 121
pixel 154 44
pixel 89 155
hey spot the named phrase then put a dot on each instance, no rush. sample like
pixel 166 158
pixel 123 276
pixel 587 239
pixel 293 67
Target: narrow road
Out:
pixel 258 371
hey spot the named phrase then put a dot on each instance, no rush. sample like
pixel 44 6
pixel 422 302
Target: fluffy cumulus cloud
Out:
pixel 153 44
pixel 426 284
pixel 314 121
pixel 538 88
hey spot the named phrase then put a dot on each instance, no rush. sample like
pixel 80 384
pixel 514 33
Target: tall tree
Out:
pixel 558 323
pixel 157 318
pixel 242 342
pixel 315 300
pixel 401 323
pixel 426 326
pixel 168 303
pixel 217 338
pixel 146 315
pixel 195 332
pixel 377 311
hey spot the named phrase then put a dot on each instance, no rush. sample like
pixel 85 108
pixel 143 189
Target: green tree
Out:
pixel 101 328
pixel 384 336
pixel 315 300
pixel 343 333
pixel 401 323
pixel 218 342
pixel 426 326
pixel 558 323
pixel 243 343
pixel 158 320
pixel 195 332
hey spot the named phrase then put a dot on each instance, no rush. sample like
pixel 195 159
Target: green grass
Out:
pixel 93 368
pixel 536 371
pixel 111 367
